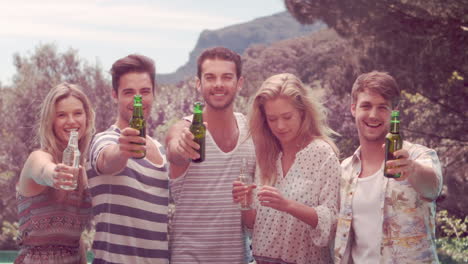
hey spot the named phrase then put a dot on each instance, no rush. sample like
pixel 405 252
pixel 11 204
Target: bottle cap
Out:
pixel 137 98
pixel 198 107
pixel 395 113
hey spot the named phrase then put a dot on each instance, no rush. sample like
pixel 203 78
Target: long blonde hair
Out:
pixel 313 126
pixel 47 137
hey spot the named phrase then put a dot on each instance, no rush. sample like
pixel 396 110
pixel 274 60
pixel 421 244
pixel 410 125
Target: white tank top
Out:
pixel 367 219
pixel 206 227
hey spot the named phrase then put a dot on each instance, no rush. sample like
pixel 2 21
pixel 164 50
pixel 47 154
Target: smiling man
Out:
pixel 129 193
pixel 385 220
pixel 206 227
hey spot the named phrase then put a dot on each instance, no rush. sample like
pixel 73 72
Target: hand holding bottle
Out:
pixel 189 138
pixel 393 142
pixel 402 165
pixel 65 177
pixel 198 129
pixel 131 144
pixel 242 188
pixel 186 146
pixel 137 122
pixel 71 158
pixel 242 194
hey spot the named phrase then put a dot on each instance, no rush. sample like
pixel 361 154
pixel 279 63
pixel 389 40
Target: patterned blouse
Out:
pixel 313 180
pixel 50 226
pixel 408 231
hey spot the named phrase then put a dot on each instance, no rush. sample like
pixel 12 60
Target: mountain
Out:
pixel 264 30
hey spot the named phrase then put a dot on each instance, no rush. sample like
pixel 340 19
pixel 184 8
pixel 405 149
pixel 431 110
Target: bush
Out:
pixel 452 241
pixel 9 235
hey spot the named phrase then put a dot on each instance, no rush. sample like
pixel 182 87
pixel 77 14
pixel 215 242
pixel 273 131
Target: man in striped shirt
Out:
pixel 129 193
pixel 206 227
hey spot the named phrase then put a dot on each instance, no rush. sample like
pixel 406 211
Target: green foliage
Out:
pixel 427 124
pixel 453 237
pixel 87 237
pixel 9 235
pixel 429 60
pixel 36 74
pixel 424 45
pixel 421 43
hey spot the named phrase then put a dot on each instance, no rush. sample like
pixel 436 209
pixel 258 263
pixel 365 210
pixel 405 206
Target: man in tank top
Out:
pixel 206 226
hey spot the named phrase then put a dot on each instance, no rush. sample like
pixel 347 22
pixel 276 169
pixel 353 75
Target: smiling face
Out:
pixel 131 84
pixel 69 114
pixel 218 84
pixel 283 119
pixel 372 115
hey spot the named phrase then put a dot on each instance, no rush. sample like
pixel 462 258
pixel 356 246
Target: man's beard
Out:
pixel 222 107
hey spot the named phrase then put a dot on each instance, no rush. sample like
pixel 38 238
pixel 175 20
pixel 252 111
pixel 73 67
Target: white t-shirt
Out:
pixel 367 219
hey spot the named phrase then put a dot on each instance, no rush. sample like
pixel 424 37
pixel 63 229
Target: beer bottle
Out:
pixel 393 142
pixel 137 121
pixel 71 157
pixel 198 130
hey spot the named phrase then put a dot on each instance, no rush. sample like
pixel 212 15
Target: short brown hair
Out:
pixel 378 82
pixel 221 53
pixel 132 63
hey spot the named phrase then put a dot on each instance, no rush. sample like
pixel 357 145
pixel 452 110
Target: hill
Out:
pixel 264 30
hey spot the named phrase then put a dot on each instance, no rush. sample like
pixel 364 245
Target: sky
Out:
pixel 103 31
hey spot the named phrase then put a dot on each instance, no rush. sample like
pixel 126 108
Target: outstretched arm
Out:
pixel 40 171
pixel 423 173
pixel 180 148
pixel 113 158
pixel 180 144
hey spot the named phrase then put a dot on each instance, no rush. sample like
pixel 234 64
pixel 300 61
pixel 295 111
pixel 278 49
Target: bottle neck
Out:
pixel 138 110
pixel 197 118
pixel 395 127
pixel 73 141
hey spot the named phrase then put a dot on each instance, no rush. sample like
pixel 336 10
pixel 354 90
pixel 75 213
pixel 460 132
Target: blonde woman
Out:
pixel 297 183
pixel 52 220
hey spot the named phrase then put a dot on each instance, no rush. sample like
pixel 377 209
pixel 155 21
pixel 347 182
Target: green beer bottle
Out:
pixel 198 130
pixel 393 142
pixel 137 121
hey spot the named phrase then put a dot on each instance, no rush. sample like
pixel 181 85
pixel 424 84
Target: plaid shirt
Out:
pixel 408 231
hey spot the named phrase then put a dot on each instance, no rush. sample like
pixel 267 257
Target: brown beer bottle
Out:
pixel 137 121
pixel 393 142
pixel 198 130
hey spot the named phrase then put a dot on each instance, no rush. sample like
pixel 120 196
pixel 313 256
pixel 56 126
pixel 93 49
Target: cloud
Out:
pixel 99 20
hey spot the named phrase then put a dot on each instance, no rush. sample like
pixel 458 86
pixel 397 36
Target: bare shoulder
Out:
pixel 31 169
pixel 38 156
pixel 36 159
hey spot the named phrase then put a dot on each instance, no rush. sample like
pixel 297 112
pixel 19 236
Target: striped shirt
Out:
pixel 130 208
pixel 206 226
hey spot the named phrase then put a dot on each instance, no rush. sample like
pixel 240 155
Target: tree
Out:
pixel 35 75
pixel 424 45
pixel 323 61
